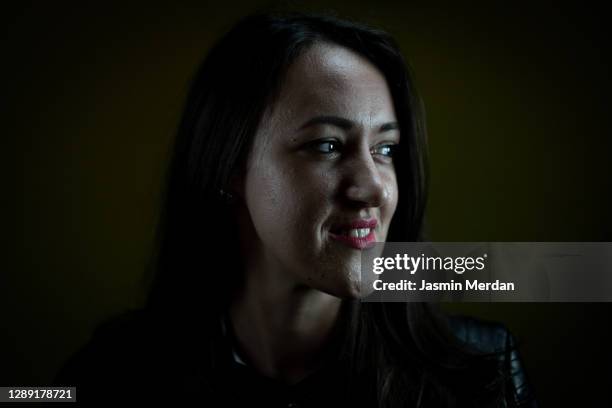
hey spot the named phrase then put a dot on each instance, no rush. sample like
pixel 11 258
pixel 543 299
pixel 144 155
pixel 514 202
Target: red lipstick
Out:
pixel 351 233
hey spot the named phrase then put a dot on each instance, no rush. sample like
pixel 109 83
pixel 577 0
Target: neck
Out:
pixel 285 333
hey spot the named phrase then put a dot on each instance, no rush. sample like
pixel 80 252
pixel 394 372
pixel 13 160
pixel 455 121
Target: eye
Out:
pixel 386 150
pixel 325 146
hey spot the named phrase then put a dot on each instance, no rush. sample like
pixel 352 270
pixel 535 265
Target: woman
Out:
pixel 301 144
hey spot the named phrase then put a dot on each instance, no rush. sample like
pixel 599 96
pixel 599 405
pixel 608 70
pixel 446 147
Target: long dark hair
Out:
pixel 405 350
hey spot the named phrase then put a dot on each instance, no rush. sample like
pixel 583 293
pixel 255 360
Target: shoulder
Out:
pixel 494 338
pixel 482 335
pixel 110 341
pixel 120 355
pixel 140 357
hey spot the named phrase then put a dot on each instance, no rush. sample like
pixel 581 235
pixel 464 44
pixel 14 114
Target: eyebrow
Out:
pixel 343 123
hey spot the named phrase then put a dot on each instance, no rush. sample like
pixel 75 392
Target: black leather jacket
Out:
pixel 492 337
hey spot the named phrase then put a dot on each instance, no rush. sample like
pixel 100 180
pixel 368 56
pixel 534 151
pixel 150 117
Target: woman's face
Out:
pixel 320 183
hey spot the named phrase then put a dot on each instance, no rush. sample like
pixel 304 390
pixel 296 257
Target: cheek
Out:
pixel 390 181
pixel 289 203
pixel 393 197
pixel 314 193
pixel 267 198
pixel 273 199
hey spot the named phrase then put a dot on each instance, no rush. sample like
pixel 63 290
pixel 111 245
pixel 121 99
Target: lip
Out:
pixel 355 242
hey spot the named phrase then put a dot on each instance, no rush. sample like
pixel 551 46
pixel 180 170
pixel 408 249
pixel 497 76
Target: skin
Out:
pixel 296 188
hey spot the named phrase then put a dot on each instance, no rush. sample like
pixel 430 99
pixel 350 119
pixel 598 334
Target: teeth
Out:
pixel 359 232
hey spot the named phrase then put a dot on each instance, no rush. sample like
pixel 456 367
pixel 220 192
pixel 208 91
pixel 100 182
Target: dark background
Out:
pixel 517 96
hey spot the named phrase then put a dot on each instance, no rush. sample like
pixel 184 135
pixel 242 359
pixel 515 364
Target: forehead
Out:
pixel 331 79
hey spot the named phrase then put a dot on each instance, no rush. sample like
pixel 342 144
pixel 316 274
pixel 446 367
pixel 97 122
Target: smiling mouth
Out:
pixel 357 238
pixel 355 232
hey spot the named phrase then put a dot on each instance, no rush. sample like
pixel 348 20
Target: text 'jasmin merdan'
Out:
pixel 428 263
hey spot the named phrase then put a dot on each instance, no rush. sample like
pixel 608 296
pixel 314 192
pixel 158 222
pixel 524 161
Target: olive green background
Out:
pixel 517 97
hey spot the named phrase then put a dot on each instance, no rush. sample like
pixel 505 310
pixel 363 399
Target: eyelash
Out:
pixel 390 147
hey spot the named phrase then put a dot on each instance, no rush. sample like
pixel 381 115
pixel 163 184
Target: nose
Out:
pixel 364 186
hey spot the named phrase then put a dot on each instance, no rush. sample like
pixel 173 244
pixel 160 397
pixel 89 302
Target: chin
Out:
pixel 350 289
pixel 340 278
